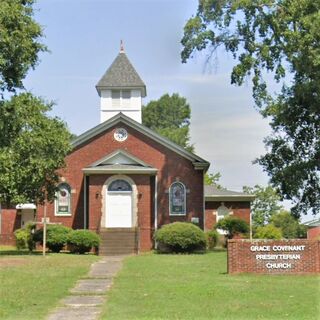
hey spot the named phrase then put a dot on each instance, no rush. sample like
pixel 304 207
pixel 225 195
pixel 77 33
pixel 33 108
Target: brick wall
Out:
pixel 298 256
pixel 240 209
pixel 314 233
pixel 170 165
pixel 10 221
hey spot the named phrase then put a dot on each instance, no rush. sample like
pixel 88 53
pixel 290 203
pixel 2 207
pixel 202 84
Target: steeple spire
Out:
pixel 121 89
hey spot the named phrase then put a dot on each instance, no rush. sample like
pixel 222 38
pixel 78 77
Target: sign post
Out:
pixel 44 229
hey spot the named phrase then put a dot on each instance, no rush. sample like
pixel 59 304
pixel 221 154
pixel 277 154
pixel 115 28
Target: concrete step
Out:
pixel 118 241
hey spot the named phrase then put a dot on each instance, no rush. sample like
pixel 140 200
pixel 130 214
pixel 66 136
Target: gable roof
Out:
pixel 121 74
pixel 119 157
pixel 312 223
pixel 212 193
pixel 119 161
pixel 199 163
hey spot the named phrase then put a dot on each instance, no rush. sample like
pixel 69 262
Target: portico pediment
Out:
pixel 119 161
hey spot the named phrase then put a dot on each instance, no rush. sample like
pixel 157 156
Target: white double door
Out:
pixel 119 209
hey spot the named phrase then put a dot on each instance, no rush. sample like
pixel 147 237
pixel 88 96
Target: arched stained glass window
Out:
pixel 63 200
pixel 177 199
pixel 119 185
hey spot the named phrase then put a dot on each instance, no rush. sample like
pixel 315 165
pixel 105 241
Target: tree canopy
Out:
pixel 32 147
pixel 32 144
pixel 289 225
pixel 280 37
pixel 20 43
pixel 265 205
pixel 170 117
pixel 212 179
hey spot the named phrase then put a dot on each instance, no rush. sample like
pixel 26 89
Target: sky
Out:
pixel 84 38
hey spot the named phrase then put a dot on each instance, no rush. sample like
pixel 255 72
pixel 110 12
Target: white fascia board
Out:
pixel 22 206
pixel 201 165
pixel 241 198
pixel 118 171
pixel 142 88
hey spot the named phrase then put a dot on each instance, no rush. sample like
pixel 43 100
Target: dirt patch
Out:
pixel 10 262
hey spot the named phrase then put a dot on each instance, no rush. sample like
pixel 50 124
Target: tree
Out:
pixel 32 144
pixel 265 204
pixel 268 231
pixel 290 226
pixel 280 37
pixel 212 179
pixel 170 117
pixel 32 147
pixel 19 42
pixel 232 225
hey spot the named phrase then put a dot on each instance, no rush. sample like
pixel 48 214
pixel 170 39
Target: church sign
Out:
pixel 274 256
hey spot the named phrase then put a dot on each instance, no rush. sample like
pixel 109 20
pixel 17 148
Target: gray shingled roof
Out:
pixel 212 192
pixel 121 74
pixel 313 223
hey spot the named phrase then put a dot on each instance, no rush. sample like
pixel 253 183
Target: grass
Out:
pixel 32 285
pixel 197 287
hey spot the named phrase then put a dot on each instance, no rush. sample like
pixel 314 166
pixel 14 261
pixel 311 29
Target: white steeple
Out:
pixel 121 89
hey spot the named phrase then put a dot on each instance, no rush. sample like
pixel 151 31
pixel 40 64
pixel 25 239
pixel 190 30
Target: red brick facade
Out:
pixel 240 209
pixel 10 221
pixel 314 233
pixel 170 165
pixel 297 256
pixel 88 189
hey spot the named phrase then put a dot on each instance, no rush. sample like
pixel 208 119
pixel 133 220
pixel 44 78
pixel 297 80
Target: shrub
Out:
pixel 82 241
pixel 24 237
pixel 57 237
pixel 268 232
pixel 290 226
pixel 232 225
pixel 21 236
pixel 212 239
pixel 180 237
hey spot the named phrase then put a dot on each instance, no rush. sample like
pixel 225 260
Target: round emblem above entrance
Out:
pixel 120 134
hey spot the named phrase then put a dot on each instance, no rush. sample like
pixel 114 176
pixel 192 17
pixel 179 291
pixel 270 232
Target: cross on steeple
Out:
pixel 121 46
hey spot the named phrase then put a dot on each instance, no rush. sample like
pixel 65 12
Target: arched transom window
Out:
pixel 63 200
pixel 119 186
pixel 177 199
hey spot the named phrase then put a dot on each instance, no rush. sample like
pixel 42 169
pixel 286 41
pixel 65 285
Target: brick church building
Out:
pixel 124 181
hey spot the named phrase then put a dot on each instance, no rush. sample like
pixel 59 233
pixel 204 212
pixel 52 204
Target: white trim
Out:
pixel 22 206
pixel 85 202
pixel 185 200
pixel 120 170
pixel 204 209
pixel 240 198
pixel 134 212
pixel 155 203
pixel 58 214
pixel 105 159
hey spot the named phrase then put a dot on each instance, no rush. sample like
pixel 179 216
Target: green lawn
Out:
pixel 197 287
pixel 32 285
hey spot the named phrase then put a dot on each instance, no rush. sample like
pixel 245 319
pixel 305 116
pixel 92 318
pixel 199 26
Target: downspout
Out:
pixel 204 207
pixel 155 207
pixel 85 202
pixel 250 223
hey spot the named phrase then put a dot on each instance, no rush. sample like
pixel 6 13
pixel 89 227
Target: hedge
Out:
pixel 180 237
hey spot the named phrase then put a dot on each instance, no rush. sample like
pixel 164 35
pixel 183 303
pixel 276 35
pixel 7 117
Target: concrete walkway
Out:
pixel 87 297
